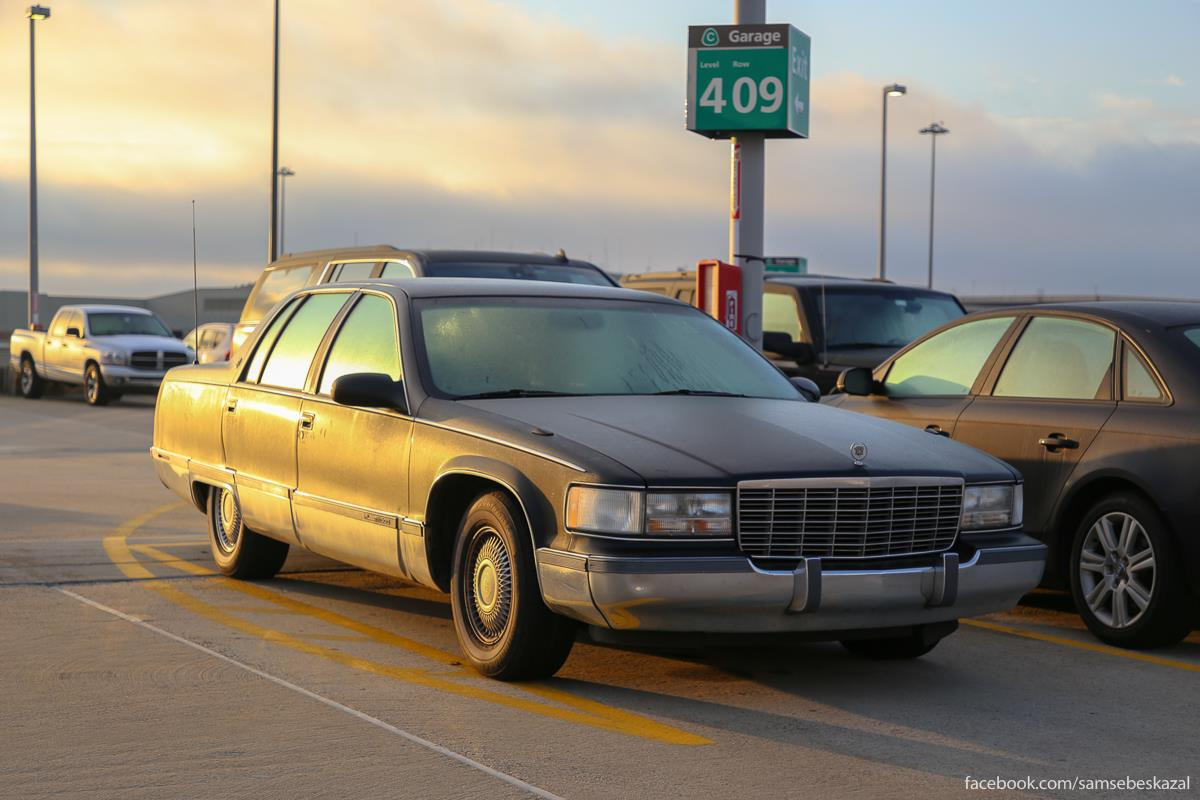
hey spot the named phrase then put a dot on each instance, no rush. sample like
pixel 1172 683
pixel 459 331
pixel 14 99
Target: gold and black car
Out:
pixel 555 455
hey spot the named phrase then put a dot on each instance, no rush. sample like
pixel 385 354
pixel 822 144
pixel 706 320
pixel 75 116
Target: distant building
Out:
pixel 217 304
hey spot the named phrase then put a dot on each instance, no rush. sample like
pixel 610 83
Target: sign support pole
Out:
pixel 747 162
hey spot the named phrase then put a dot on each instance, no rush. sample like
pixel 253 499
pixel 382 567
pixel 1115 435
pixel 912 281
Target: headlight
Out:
pixel 688 514
pixel 616 511
pixel 114 358
pixel 995 506
pixel 630 512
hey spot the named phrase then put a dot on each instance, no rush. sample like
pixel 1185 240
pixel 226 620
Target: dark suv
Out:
pixel 815 326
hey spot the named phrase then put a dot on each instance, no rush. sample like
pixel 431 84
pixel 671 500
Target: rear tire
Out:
pixel 502 624
pixel 238 551
pixel 95 390
pixel 1125 575
pixel 30 384
pixel 914 644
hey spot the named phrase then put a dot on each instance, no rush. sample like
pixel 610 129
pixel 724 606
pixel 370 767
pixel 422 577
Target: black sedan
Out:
pixel 554 455
pixel 1098 406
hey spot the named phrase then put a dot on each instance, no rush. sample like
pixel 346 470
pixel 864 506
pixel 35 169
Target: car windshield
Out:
pixel 558 273
pixel 115 323
pixel 890 317
pixel 531 346
pixel 1193 334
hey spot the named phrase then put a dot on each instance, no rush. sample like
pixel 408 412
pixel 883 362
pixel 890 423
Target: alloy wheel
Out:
pixel 91 385
pixel 26 376
pixel 1117 569
pixel 489 592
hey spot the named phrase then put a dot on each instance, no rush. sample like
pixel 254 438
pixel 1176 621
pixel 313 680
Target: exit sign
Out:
pixel 747 79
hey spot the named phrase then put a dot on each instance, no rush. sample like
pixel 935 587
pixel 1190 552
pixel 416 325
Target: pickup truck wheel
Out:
pixel 1125 576
pixel 502 624
pixel 31 383
pixel 238 551
pixel 913 644
pixel 95 390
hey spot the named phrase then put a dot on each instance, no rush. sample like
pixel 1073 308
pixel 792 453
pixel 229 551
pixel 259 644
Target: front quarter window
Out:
pixel 948 363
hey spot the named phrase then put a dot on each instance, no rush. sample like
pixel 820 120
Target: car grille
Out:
pixel 148 359
pixel 854 518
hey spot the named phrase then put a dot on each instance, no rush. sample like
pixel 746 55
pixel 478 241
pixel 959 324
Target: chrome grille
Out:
pixel 174 360
pixel 854 518
pixel 144 360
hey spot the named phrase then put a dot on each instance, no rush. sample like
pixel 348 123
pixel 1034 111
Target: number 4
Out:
pixel 712 96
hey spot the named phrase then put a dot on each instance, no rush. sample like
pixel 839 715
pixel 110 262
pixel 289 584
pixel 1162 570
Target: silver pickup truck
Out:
pixel 109 350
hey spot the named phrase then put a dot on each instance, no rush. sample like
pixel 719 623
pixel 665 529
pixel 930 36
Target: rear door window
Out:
pixel 274 285
pixel 353 271
pixel 1060 359
pixel 290 358
pixel 948 363
pixel 398 268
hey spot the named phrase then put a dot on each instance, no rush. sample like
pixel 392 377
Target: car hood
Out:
pixel 722 440
pixel 134 342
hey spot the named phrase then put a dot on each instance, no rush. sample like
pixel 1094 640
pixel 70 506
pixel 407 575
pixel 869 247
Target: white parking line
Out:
pixel 412 737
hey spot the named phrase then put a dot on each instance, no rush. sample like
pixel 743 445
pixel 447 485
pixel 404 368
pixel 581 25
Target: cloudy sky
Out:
pixel 1073 164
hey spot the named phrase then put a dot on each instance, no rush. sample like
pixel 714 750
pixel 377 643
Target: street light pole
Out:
pixel 891 90
pixel 272 247
pixel 284 174
pixel 747 163
pixel 34 13
pixel 933 131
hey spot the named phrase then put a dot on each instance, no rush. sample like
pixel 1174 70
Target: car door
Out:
pixel 1047 399
pixel 54 342
pixel 73 352
pixel 262 411
pixel 931 383
pixel 352 462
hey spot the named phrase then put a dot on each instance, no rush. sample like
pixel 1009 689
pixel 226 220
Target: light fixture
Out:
pixel 38 12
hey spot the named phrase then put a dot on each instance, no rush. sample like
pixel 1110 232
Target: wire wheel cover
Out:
pixel 227 524
pixel 489 592
pixel 1116 569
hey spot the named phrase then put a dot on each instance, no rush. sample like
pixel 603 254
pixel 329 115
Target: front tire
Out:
pixel 238 551
pixel 1125 576
pixel 502 624
pixel 29 382
pixel 95 390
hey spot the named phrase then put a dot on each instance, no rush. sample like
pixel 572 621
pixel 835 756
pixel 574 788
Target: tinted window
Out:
pixel 948 363
pixel 366 342
pixel 1193 334
pixel 112 323
pixel 190 339
pixel 585 346
pixel 399 268
pixel 354 271
pixel 275 285
pixel 1059 358
pixel 287 365
pixel 58 326
pixel 559 273
pixel 1139 383
pixel 890 317
pixel 267 340
pixel 781 315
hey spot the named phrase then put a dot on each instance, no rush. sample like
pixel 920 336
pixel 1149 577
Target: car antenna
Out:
pixel 824 329
pixel 195 291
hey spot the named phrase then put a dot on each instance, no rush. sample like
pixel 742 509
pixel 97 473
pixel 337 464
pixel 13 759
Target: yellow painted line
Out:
pixel 118 550
pixel 1094 647
pixel 591 713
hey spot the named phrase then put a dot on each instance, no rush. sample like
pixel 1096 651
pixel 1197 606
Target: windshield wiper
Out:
pixel 700 393
pixel 514 393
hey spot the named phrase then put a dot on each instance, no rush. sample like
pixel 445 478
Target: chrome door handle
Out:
pixel 306 420
pixel 936 430
pixel 231 405
pixel 1057 440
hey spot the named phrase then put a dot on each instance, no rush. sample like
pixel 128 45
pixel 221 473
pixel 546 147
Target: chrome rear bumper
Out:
pixel 733 595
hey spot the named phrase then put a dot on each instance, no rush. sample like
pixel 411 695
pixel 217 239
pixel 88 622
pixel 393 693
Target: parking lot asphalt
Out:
pixel 131 668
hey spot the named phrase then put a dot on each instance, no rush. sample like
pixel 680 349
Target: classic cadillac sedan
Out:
pixel 556 455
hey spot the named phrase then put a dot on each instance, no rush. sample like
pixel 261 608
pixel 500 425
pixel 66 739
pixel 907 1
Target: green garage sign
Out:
pixel 747 78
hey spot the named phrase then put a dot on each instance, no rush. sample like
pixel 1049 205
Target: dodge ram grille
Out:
pixel 855 518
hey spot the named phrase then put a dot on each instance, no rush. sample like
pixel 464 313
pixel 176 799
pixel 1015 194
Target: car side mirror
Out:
pixel 74 332
pixel 808 388
pixel 782 344
pixel 370 390
pixel 178 334
pixel 857 380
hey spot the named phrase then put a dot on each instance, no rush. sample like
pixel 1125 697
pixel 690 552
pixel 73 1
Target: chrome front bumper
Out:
pixel 130 379
pixel 733 595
